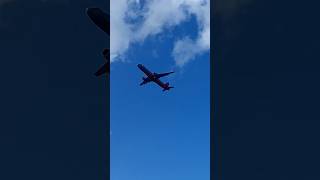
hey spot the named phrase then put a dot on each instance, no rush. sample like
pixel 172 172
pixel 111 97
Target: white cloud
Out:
pixel 184 50
pixel 120 31
pixel 152 18
pixel 160 15
pixel 187 49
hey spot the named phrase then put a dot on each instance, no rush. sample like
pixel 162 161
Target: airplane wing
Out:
pixel 162 74
pixel 101 19
pixel 145 81
pixel 145 70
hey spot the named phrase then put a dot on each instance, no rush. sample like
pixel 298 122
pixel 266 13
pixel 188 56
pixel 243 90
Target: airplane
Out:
pixel 102 20
pixel 154 77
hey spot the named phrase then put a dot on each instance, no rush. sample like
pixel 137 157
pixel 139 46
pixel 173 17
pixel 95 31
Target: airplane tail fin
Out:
pixel 167 87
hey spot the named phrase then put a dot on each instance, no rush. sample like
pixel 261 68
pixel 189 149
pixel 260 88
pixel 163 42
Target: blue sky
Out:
pixel 154 134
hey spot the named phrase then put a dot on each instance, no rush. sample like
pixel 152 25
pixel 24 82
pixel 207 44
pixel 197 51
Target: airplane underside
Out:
pixel 154 77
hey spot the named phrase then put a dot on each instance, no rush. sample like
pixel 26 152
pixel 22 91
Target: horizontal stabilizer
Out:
pixel 167 89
